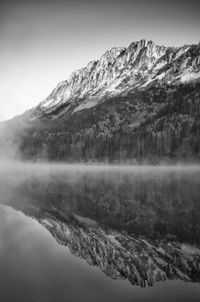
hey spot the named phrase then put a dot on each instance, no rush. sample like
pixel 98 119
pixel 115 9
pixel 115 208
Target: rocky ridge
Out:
pixel 121 71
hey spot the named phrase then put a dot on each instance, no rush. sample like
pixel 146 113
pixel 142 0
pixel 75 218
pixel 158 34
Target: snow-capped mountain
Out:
pixel 136 103
pixel 123 70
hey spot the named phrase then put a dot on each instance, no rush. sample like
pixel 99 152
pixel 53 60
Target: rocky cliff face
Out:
pixel 121 70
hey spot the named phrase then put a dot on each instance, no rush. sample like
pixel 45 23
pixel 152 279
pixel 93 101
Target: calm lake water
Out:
pixel 35 267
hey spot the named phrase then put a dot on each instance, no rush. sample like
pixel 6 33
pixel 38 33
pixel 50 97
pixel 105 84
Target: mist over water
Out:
pixel 156 204
pixel 16 173
pixel 146 200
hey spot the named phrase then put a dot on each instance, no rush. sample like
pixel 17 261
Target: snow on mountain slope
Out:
pixel 121 70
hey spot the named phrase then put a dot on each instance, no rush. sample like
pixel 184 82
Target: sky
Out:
pixel 43 41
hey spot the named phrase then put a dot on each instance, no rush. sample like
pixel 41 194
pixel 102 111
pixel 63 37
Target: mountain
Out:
pixel 140 103
pixel 121 71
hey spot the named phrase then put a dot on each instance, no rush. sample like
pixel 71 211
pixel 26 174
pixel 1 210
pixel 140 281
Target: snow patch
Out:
pixel 190 76
pixel 92 102
pixel 160 76
pixel 114 85
pixel 160 65
pixel 86 220
pixel 189 249
pixel 147 82
pixel 180 52
pixel 46 222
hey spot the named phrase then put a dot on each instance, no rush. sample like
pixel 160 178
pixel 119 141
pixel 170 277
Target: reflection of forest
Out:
pixel 155 203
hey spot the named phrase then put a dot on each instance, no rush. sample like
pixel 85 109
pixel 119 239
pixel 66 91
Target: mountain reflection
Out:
pixel 140 225
pixel 119 255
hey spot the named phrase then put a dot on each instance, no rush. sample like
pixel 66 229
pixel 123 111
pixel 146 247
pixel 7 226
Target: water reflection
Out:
pixel 138 225
pixel 35 268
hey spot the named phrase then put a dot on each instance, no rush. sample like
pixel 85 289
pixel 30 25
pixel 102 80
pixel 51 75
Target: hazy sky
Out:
pixel 42 42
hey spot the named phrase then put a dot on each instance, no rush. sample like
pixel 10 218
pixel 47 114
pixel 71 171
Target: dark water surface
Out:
pixel 38 261
pixel 34 267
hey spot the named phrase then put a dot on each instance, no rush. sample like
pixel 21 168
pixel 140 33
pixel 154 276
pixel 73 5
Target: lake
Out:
pixel 99 233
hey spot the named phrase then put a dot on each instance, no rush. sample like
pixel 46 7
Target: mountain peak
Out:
pixel 115 51
pixel 121 70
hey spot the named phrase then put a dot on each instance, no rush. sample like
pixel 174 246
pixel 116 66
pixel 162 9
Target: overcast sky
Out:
pixel 42 42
